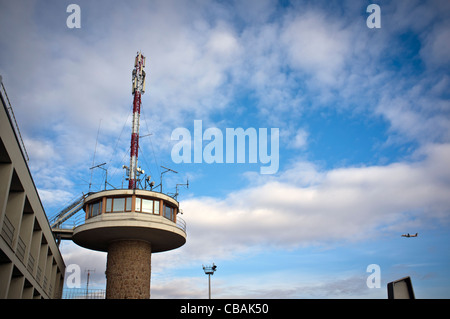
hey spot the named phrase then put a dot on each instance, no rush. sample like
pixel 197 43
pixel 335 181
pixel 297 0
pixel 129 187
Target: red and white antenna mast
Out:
pixel 138 89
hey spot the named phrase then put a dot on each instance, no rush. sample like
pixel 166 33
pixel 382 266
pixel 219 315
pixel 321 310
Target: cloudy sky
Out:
pixel 364 134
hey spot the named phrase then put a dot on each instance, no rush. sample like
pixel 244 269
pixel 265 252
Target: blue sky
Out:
pixel 364 134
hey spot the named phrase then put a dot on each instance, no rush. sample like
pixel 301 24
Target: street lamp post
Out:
pixel 209 270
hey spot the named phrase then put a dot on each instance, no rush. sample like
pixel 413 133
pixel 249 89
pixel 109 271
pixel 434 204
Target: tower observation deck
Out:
pixel 124 214
pixel 129 224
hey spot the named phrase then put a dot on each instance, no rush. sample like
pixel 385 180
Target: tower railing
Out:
pixel 78 219
pixel 181 223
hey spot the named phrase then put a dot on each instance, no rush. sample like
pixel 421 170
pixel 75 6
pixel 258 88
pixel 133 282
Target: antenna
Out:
pixel 87 282
pixel 145 135
pixel 106 174
pixel 95 151
pixel 176 188
pixel 138 88
pixel 167 170
pixel 147 182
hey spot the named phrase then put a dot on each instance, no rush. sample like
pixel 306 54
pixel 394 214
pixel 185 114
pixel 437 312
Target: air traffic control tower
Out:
pixel 129 224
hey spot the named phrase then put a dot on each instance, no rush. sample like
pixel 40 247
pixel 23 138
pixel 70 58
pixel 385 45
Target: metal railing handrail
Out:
pixel 13 120
pixel 181 224
pixel 80 220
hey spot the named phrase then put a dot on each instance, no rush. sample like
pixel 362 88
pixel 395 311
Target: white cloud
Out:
pixel 436 51
pixel 178 288
pixel 306 206
pixel 429 20
pixel 40 151
pixel 317 44
pixel 300 139
pixel 54 197
pixel 419 113
pixel 280 285
pixel 341 204
pixel 223 43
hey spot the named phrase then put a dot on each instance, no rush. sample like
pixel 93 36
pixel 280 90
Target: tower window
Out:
pixel 119 205
pixel 108 204
pixel 138 205
pixel 95 209
pixel 128 204
pixel 147 206
pixel 169 212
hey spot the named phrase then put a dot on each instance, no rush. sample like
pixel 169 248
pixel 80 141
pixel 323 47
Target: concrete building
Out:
pixel 31 265
pixel 129 224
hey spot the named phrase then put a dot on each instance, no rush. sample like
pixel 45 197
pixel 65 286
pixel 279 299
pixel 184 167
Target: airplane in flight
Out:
pixel 408 235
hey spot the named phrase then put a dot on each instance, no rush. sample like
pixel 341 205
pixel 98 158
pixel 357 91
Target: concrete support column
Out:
pixel 128 270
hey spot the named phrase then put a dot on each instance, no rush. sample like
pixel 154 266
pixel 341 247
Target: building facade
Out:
pixel 31 265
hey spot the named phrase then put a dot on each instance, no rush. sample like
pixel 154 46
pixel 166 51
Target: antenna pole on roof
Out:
pixel 138 89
